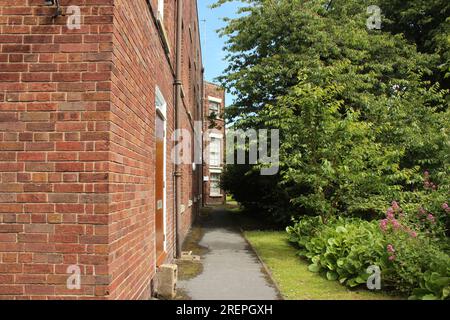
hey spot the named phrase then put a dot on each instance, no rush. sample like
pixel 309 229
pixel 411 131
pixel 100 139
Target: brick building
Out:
pixel 214 127
pixel 87 116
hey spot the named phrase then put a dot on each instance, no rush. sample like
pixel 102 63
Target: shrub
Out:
pixel 408 249
pixel 342 249
pixel 418 267
pixel 416 261
pixel 302 231
pixel 257 193
pixel 427 208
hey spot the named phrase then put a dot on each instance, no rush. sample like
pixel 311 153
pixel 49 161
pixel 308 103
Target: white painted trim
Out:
pixel 211 194
pixel 160 103
pixel 161 10
pixel 216 135
pixel 161 110
pixel 213 99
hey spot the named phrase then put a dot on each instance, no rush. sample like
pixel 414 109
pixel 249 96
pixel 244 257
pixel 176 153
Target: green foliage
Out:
pixel 359 121
pixel 343 162
pixel 412 262
pixel 258 193
pixel 332 155
pixel 289 271
pixel 275 41
pixel 425 23
pixel 417 263
pixel 433 285
pixel 362 115
pixel 342 249
pixel 420 268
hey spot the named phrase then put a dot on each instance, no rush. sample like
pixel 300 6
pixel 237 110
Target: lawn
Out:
pixel 292 275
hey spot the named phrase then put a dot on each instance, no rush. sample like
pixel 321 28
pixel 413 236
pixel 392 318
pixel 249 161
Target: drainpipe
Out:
pixel 178 106
pixel 201 173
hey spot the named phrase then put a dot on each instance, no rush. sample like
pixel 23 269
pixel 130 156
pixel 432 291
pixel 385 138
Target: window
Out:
pixel 214 185
pixel 160 102
pixel 215 152
pixel 160 22
pixel 161 10
pixel 214 109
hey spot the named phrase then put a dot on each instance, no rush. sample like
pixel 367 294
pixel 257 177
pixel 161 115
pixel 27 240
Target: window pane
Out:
pixel 215 184
pixel 214 108
pixel 215 152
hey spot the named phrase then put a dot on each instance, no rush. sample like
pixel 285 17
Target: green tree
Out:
pixel 272 42
pixel 425 23
pixel 359 117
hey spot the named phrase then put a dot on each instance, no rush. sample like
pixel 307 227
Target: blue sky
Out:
pixel 212 44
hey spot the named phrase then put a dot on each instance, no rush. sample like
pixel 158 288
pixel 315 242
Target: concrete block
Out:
pixel 166 281
pixel 188 256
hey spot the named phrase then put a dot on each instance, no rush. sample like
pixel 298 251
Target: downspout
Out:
pixel 201 173
pixel 178 106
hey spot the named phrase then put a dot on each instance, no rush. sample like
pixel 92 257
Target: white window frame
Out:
pixel 216 101
pixel 160 21
pixel 216 112
pixel 218 137
pixel 215 152
pixel 211 181
pixel 213 99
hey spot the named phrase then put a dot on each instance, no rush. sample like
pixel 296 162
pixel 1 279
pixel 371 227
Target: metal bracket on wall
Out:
pixel 58 11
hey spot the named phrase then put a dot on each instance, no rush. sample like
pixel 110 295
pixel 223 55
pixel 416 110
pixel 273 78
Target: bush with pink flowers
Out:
pixel 410 250
pixel 417 263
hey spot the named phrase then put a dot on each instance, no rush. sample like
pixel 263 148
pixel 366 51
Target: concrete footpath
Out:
pixel 230 268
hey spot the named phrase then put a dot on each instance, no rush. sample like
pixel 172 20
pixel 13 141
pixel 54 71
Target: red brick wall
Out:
pixel 77 142
pixel 54 141
pixel 140 65
pixel 215 91
pixel 192 82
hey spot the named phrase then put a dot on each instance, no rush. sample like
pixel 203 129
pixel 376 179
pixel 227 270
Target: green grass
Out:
pixel 292 275
pixel 230 198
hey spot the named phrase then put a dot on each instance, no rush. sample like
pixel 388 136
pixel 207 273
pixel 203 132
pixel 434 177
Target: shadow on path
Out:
pixel 229 269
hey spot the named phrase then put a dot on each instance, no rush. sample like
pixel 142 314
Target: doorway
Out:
pixel 160 180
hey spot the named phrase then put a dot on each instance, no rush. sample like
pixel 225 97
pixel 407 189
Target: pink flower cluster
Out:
pixel 391 251
pixel 426 215
pixel 446 207
pixel 390 218
pixel 427 184
pixel 393 222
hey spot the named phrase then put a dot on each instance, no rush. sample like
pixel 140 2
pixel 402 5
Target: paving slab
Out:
pixel 231 270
